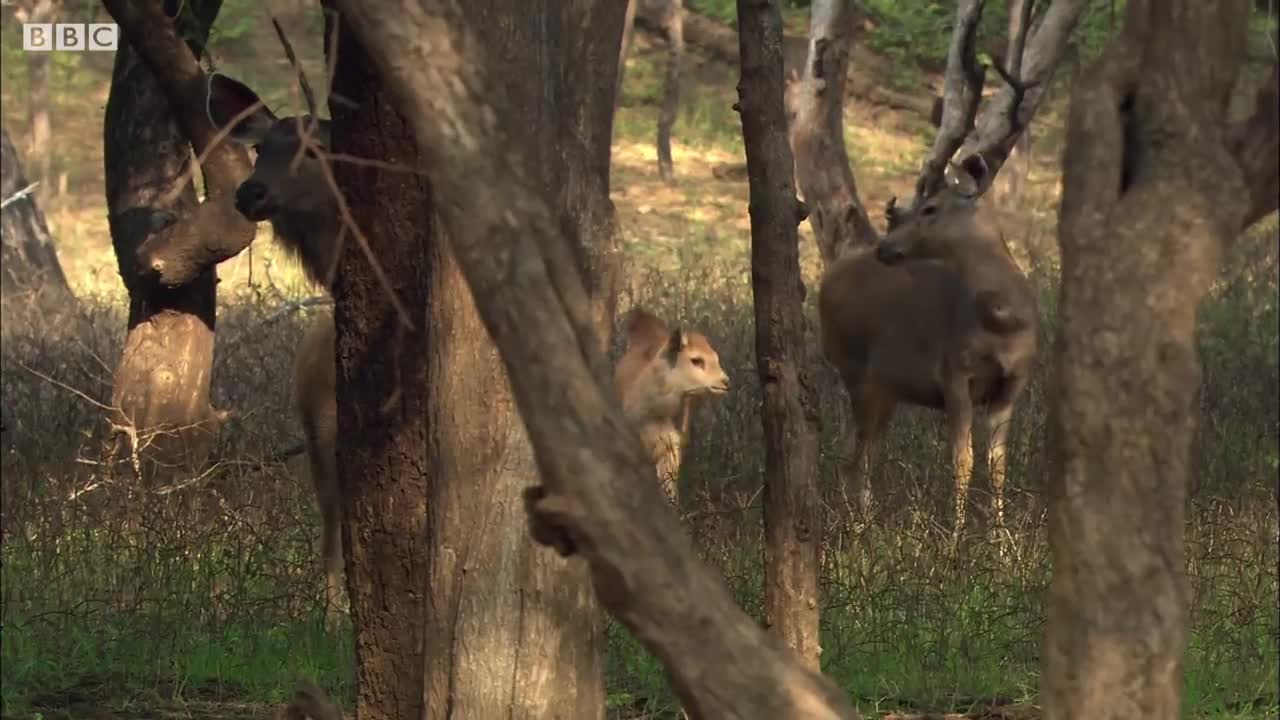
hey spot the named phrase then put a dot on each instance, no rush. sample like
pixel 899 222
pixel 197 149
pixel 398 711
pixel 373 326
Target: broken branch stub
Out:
pixel 502 234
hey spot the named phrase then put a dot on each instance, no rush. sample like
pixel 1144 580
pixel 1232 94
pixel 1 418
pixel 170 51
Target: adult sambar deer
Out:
pixel 288 187
pixel 938 315
pixel 660 376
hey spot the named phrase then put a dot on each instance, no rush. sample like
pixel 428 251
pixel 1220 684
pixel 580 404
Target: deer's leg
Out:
pixel 998 417
pixel 871 412
pixel 324 476
pixel 668 466
pixel 959 408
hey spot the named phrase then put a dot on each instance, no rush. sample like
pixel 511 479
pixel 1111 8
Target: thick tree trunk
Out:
pixel 487 595
pixel 1155 185
pixel 596 497
pixel 788 408
pixel 39 142
pixel 672 23
pixel 160 392
pixel 383 393
pixel 30 274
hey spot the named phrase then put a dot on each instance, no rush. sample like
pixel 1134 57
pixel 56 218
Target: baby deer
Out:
pixel 660 375
pixel 937 315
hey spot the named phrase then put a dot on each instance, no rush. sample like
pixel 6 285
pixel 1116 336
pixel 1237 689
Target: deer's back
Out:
pixel 904 327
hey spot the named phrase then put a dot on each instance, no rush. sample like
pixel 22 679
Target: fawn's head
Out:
pixel 287 174
pixel 946 226
pixel 683 360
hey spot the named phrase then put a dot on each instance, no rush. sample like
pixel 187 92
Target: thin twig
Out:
pixel 18 195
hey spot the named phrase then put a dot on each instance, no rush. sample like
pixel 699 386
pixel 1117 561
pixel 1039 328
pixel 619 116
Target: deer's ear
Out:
pixel 227 98
pixel 676 344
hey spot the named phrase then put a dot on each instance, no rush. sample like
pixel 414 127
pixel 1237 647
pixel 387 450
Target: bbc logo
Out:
pixel 75 37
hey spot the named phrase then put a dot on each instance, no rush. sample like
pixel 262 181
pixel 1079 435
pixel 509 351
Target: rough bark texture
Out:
pixel 816 127
pixel 672 24
pixel 788 406
pixel 161 384
pixel 487 595
pixel 212 231
pixel 30 274
pixel 494 596
pixel 383 392
pixel 596 482
pixel 1156 184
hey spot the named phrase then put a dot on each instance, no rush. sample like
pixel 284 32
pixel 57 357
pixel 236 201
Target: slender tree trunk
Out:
pixel 789 408
pixel 1156 183
pixel 39 145
pixel 30 274
pixel 488 596
pixel 673 28
pixel 1008 188
pixel 160 390
pixel 628 33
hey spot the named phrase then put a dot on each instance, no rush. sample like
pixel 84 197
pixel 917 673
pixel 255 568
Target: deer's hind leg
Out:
pixel 959 409
pixel 872 408
pixel 999 416
pixel 324 476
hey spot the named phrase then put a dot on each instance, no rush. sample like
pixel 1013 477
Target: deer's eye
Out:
pixel 929 209
pixel 698 362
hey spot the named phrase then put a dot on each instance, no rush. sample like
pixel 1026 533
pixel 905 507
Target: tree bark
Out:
pixel 788 405
pixel 212 231
pixel 672 24
pixel 816 126
pixel 160 390
pixel 39 142
pixel 532 301
pixel 486 594
pixel 384 395
pixel 30 274
pixel 1155 186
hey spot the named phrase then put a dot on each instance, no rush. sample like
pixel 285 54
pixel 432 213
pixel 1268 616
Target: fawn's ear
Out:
pixel 676 344
pixel 226 98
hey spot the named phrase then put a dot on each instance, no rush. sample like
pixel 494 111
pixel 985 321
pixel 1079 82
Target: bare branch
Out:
pixel 962 91
pixel 297 68
pixel 816 128
pixel 1004 117
pixel 594 474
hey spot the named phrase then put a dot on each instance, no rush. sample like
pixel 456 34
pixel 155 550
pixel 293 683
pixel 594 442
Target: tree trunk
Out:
pixel 488 596
pixel 160 391
pixel 595 496
pixel 39 142
pixel 672 24
pixel 628 32
pixel 816 126
pixel 1156 183
pixel 30 274
pixel 384 394
pixel 788 408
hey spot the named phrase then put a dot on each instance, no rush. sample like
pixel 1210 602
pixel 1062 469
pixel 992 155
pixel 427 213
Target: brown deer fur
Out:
pixel 660 376
pixel 937 315
pixel 288 188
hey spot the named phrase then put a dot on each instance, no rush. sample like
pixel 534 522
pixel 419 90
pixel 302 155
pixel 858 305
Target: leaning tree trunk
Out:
pixel 160 392
pixel 789 408
pixel 30 274
pixel 594 497
pixel 1156 183
pixel 457 465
